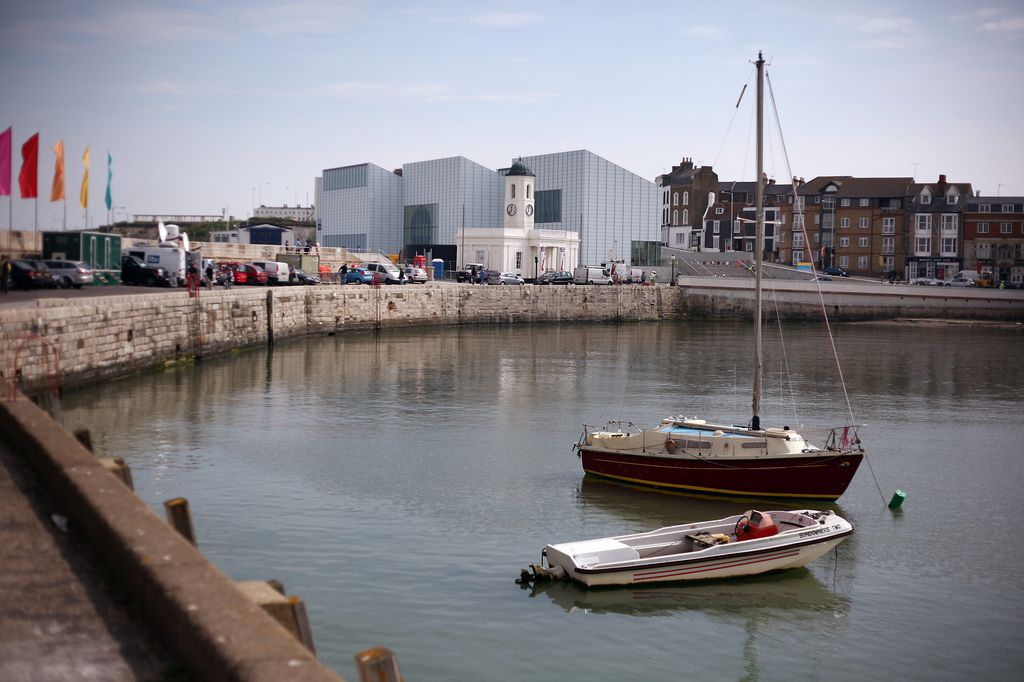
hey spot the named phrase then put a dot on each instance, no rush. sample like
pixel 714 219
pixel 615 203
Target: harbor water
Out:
pixel 399 481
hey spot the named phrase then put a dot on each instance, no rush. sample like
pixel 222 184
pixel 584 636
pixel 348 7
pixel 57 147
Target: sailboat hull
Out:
pixel 823 476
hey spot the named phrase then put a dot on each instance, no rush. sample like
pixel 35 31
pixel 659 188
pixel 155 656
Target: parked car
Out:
pixel 415 275
pixel 388 273
pixel 135 271
pixel 358 276
pixel 504 278
pixel 233 270
pixel 254 273
pixel 959 281
pixel 928 282
pixel 302 277
pixel 72 273
pixel 823 278
pixel 554 277
pixel 591 274
pixel 471 273
pixel 836 271
pixel 31 274
pixel 277 273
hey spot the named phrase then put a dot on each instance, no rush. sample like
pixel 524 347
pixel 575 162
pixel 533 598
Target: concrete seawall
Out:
pixel 97 338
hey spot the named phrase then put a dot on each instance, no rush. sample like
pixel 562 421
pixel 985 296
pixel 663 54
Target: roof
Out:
pixel 519 168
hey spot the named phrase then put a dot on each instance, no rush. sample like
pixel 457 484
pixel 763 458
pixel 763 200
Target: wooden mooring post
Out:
pixel 180 518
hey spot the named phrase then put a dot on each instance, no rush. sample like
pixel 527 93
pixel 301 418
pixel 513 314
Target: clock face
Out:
pixel 529 209
pixel 510 209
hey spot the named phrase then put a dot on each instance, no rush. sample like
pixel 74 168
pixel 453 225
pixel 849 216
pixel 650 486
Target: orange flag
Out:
pixel 83 196
pixel 57 192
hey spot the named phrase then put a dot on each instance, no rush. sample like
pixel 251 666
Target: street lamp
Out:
pixel 672 282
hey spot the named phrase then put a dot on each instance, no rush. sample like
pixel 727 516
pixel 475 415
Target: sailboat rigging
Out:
pixel 693 455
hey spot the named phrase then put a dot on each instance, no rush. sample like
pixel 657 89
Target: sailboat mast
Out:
pixel 755 422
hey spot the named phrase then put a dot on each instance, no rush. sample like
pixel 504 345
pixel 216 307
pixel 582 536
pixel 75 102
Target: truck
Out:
pixel 98 250
pixel 172 259
pixel 470 272
pixel 591 274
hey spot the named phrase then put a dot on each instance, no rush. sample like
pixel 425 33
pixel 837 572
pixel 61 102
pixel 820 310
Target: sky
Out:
pixel 210 106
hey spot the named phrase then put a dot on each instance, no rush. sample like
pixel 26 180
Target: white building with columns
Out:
pixel 518 246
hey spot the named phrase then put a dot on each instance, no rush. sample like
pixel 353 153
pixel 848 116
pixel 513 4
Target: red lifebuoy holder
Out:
pixel 758 525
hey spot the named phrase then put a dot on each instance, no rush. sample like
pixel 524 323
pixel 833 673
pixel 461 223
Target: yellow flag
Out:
pixel 83 196
pixel 57 191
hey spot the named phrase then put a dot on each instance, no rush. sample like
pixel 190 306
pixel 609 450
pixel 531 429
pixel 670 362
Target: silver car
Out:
pixel 71 273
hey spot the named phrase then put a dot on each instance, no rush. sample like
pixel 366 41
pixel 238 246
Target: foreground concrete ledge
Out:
pixel 201 615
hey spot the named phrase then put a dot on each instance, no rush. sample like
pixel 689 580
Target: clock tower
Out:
pixel 520 187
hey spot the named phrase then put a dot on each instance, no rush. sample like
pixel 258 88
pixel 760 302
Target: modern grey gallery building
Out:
pixel 420 207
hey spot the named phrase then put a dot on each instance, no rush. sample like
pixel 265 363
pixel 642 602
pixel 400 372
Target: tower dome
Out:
pixel 520 168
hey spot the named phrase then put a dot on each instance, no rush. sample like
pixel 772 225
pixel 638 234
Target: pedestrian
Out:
pixel 643 278
pixel 654 278
pixel 342 272
pixel 482 274
pixel 209 275
pixel 5 272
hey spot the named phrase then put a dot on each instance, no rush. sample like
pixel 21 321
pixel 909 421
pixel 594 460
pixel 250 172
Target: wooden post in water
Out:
pixel 289 612
pixel 180 518
pixel 378 664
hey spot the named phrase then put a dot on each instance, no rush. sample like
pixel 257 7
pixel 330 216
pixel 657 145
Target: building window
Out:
pixel 798 240
pixel 844 261
pixel 888 245
pixel 949 222
pixel 719 210
pixel 798 205
pixel 862 242
pixel 715 227
pixel 714 242
pixel 513 191
pixel 862 262
pixel 984 208
pixel 923 221
pixel 519 260
pixel 888 226
pixel 863 222
pixel 926 198
pixel 686 216
pixel 951 199
pixel 865 202
pixel 675 198
pixel 982 228
pixel 983 250
pixel 675 216
pixel 844 242
pixel 686 198
pixel 844 222
pixel 923 246
pixel 948 246
pixel 1004 228
pixel 1007 208
pixel 844 203
pixel 817 238
pixel 817 218
pixel 798 257
pixel 548 206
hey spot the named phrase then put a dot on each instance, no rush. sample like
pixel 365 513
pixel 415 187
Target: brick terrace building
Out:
pixel 993 232
pixel 934 236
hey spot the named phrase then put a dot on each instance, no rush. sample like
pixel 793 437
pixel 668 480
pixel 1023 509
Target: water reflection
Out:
pixel 787 594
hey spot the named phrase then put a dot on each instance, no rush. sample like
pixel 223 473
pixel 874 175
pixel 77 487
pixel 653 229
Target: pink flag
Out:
pixel 5 163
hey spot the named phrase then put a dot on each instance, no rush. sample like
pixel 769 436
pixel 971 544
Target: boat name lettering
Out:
pixel 816 531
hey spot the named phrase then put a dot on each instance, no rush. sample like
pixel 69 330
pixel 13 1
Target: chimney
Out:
pixel 942 178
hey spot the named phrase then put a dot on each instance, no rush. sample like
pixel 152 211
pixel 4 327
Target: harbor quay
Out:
pixel 186 615
pixel 73 341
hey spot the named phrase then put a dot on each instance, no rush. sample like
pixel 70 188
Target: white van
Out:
pixel 171 259
pixel 591 274
pixel 277 273
pixel 388 272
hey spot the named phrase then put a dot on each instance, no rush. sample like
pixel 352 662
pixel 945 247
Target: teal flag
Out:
pixel 110 174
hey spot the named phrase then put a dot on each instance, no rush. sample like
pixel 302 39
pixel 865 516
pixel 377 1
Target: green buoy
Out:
pixel 897 499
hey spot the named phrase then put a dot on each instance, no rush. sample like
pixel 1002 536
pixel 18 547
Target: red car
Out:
pixel 255 273
pixel 233 270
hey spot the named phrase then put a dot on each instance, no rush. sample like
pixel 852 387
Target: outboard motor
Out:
pixel 754 524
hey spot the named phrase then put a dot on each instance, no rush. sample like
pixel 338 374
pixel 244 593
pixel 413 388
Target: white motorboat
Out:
pixel 746 544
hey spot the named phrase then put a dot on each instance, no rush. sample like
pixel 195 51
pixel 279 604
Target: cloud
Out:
pixel 161 87
pixel 887 33
pixel 429 92
pixel 1005 25
pixel 706 32
pixel 506 20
